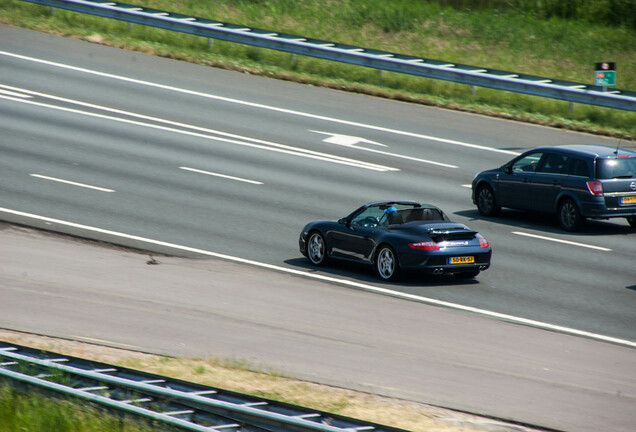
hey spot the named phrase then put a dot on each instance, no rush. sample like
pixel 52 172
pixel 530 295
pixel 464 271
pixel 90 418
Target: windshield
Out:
pixel 616 168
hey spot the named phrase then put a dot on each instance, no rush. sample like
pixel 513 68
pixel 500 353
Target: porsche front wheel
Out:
pixel 386 264
pixel 316 249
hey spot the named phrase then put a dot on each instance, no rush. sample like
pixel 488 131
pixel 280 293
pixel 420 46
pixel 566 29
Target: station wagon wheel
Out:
pixel 486 202
pixel 570 218
pixel 386 263
pixel 316 249
pixel 631 220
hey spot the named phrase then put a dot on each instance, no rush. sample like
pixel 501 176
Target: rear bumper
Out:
pixel 440 263
pixel 600 211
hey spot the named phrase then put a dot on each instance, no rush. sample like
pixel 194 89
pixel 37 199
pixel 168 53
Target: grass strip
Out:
pixel 237 375
pixel 37 413
pixel 514 36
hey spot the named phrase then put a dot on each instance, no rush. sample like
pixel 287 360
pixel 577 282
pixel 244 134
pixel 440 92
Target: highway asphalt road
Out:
pixel 235 164
pixel 315 331
pixel 152 138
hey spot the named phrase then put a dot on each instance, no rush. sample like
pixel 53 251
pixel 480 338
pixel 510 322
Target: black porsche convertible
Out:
pixel 398 235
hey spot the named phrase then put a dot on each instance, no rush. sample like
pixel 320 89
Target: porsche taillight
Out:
pixel 482 241
pixel 425 245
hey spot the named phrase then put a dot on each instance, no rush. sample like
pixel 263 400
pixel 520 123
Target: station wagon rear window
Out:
pixel 616 168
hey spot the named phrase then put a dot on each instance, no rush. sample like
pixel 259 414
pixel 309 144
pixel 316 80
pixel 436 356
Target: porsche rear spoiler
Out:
pixel 444 234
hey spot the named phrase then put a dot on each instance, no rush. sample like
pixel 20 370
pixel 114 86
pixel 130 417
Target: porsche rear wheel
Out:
pixel 316 249
pixel 386 264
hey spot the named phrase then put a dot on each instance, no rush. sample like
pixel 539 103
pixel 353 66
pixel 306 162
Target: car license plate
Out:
pixel 461 260
pixel 628 200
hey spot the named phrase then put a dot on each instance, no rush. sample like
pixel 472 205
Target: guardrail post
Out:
pixel 292 59
pixel 380 73
pixel 129 27
pixel 52 11
pixel 210 43
pixel 473 90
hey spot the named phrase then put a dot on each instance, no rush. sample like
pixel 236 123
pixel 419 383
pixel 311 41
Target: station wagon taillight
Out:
pixel 595 187
pixel 425 245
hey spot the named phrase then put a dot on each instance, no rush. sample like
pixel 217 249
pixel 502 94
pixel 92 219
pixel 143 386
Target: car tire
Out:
pixel 569 215
pixel 467 274
pixel 316 249
pixel 631 220
pixel 386 263
pixel 486 202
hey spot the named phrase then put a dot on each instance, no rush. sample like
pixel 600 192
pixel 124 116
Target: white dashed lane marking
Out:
pixel 221 175
pixel 72 183
pixel 568 242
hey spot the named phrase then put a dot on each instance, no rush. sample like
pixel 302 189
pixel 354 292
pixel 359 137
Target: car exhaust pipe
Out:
pixel 438 271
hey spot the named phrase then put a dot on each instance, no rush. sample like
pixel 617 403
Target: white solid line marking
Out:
pixel 467 186
pixel 72 183
pixel 561 241
pixel 221 175
pixel 14 94
pixel 280 148
pixel 260 106
pixel 370 288
pixel 200 129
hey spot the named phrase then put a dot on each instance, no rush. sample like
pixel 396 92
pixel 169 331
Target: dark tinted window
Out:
pixel 577 167
pixel 554 163
pixel 527 163
pixel 616 168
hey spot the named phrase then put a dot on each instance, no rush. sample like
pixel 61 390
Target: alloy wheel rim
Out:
pixel 386 263
pixel 485 199
pixel 316 248
pixel 568 214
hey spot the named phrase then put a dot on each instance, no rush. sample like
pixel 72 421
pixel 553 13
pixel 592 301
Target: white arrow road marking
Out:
pixel 346 140
pixel 259 106
pixel 248 142
pixel 351 141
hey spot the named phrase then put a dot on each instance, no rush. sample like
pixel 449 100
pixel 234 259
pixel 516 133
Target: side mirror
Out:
pixel 507 168
pixel 343 221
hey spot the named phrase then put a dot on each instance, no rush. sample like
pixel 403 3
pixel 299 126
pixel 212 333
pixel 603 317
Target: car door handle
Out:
pixel 556 182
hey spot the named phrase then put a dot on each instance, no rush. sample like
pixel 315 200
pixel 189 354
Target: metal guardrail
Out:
pixel 184 405
pixel 472 75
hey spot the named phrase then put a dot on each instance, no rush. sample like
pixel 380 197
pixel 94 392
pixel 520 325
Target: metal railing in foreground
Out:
pixel 382 60
pixel 179 404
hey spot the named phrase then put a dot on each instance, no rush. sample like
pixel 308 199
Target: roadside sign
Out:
pixel 605 74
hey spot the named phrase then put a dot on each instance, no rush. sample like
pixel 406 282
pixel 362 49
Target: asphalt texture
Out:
pixel 87 291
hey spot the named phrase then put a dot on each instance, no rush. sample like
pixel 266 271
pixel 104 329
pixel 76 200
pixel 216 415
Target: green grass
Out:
pixel 560 41
pixel 36 413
